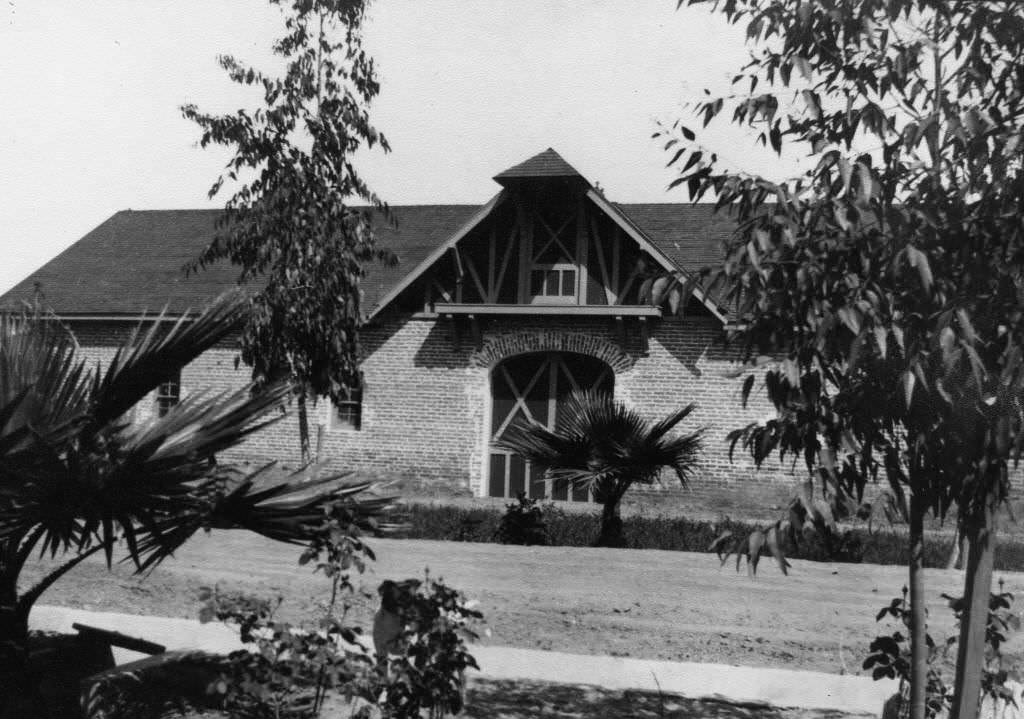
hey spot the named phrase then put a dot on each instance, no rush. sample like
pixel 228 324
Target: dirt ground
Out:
pixel 639 603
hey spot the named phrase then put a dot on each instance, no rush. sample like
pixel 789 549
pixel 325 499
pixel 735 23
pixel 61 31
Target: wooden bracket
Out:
pixel 644 339
pixel 620 329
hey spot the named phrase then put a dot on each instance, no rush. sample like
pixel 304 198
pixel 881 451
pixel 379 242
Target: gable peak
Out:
pixel 546 164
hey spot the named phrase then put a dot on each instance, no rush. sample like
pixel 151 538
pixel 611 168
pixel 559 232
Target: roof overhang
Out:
pixel 430 259
pixel 668 265
pixel 480 310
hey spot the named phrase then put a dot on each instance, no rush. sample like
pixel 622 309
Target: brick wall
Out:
pixel 426 406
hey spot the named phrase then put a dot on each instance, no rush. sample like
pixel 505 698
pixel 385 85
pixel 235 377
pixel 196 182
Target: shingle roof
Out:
pixel 545 164
pixel 132 263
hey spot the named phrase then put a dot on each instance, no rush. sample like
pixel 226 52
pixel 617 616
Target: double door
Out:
pixel 535 387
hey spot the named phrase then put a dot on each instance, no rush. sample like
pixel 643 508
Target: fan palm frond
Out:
pixel 143 363
pixel 597 439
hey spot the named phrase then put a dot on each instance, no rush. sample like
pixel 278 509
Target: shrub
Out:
pixel 577 529
pixel 423 666
pixel 890 653
pixel 523 522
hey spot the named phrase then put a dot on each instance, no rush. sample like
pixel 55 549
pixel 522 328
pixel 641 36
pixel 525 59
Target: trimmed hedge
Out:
pixel 578 529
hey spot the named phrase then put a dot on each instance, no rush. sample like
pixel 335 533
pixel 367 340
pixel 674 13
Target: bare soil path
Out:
pixel 639 603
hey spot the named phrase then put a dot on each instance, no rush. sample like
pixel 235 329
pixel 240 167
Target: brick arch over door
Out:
pixel 535 387
pixel 499 347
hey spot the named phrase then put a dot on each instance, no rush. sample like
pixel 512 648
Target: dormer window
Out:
pixel 554 283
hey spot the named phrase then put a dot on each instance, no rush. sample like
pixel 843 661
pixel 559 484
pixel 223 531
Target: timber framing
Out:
pixel 493 271
pixel 448 244
pixel 613 212
pixel 452 309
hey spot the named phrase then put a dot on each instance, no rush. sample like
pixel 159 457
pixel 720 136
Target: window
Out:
pixel 553 283
pixel 348 414
pixel 168 394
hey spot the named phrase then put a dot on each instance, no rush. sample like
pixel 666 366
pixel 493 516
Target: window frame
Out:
pixel 555 299
pixel 168 394
pixel 353 420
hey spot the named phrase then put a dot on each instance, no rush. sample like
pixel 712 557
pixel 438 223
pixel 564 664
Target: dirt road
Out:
pixel 651 604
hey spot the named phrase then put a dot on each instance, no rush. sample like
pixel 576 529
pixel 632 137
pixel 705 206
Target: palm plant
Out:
pixel 602 444
pixel 77 478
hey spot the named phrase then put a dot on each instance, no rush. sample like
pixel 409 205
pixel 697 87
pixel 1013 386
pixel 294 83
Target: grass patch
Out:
pixel 578 529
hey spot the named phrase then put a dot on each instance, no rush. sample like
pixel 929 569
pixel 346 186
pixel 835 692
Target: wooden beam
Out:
pixel 620 330
pixel 117 639
pixel 609 295
pixel 422 267
pixel 581 253
pixel 547 310
pixel 554 236
pixel 628 285
pixel 645 348
pixel 445 294
pixel 616 247
pixel 651 249
pixel 476 279
pixel 525 248
pixel 492 291
pixel 513 236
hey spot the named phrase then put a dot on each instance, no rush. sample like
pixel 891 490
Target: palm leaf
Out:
pixel 141 365
pixel 598 441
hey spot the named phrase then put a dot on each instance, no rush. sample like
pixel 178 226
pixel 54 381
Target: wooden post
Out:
pixel 609 293
pixel 492 289
pixel 616 243
pixel 525 248
pixel 581 253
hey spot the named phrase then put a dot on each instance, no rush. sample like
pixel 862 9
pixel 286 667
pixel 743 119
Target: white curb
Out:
pixel 775 687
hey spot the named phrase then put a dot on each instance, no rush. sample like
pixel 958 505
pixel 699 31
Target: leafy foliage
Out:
pixel 292 227
pixel 890 653
pixel 289 670
pixel 604 445
pixel 890 657
pixel 885 282
pixel 76 476
pixel 522 523
pixel 425 664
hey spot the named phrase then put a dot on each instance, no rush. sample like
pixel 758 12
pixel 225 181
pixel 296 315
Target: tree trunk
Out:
pixel 17 697
pixel 611 522
pixel 970 660
pixel 303 428
pixel 918 628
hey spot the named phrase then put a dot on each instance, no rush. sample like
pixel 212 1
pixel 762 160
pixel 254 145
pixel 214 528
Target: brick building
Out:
pixel 493 313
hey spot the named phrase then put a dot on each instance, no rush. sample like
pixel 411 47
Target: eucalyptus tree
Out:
pixel 290 226
pixel 78 479
pixel 886 280
pixel 603 445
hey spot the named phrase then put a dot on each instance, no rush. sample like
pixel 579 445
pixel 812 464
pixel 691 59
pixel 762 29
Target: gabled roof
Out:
pixel 545 164
pixel 132 263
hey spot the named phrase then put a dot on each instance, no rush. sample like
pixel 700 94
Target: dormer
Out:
pixel 548 243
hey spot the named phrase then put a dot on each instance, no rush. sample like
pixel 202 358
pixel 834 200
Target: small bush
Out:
pixel 523 523
pixel 425 659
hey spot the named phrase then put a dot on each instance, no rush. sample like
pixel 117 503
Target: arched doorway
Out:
pixel 534 386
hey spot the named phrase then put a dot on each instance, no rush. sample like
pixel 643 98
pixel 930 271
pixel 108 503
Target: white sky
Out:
pixel 90 94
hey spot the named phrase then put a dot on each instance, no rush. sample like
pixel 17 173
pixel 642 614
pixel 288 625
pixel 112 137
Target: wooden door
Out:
pixel 534 387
